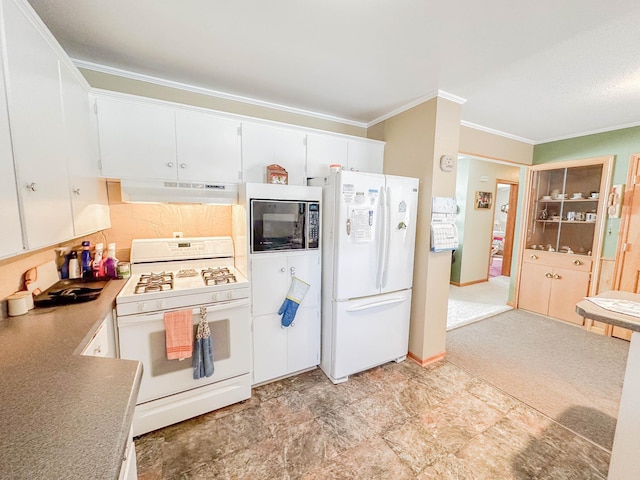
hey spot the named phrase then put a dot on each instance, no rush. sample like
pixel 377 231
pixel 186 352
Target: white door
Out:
pixel 142 338
pixel 208 147
pixel 89 201
pixel 306 267
pixel 324 150
pixel 37 130
pixel 357 234
pixel 402 194
pixel 370 331
pixel 269 348
pixel 264 145
pixel 11 236
pixel 365 156
pixel 137 140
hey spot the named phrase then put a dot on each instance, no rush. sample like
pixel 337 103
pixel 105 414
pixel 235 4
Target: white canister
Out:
pixel 18 303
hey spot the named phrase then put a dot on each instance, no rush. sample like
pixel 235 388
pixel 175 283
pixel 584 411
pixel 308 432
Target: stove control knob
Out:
pixel 141 307
pixel 230 294
pixel 214 297
pixel 160 304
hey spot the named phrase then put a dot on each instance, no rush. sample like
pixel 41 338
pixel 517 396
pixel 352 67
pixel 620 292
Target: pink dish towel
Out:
pixel 179 334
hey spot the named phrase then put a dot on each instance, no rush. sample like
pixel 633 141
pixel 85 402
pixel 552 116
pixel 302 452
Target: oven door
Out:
pixel 142 338
pixel 277 225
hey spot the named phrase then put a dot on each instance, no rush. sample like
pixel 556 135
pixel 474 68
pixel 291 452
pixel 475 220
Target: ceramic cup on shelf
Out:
pixel 571 216
pixel 576 196
pixel 591 217
pixel 594 195
pixel 580 216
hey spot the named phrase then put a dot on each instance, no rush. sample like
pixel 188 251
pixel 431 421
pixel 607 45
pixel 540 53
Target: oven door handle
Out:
pixel 158 316
pixel 216 307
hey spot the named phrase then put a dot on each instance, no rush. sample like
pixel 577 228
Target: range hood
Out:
pixel 163 191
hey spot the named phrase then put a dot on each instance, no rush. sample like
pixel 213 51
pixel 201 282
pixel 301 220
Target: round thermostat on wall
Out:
pixel 447 163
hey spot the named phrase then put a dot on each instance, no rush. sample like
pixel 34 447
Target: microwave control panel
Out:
pixel 314 225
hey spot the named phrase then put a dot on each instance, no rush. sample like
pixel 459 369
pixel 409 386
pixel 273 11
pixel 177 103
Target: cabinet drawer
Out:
pixel 99 344
pixel 554 259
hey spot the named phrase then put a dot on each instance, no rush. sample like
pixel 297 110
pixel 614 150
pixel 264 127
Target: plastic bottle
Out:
pixel 111 262
pixel 98 262
pixel 62 262
pixel 87 271
pixel 74 266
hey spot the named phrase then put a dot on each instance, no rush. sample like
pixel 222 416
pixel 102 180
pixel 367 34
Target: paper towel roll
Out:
pixel 18 303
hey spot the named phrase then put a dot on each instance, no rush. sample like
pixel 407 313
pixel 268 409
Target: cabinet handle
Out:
pixel 183 165
pixel 556 276
pixel 170 164
pixel 534 257
pixel 98 350
pixel 283 269
pixel 32 186
pixel 76 191
pixel 548 275
pixel 577 262
pixel 293 271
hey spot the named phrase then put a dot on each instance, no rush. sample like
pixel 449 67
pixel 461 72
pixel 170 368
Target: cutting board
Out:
pixel 38 279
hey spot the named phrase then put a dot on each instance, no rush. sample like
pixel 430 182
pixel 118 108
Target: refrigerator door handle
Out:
pixel 380 227
pixel 387 235
pixel 382 303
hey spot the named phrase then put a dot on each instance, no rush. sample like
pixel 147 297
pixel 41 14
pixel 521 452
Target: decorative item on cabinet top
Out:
pixel 277 175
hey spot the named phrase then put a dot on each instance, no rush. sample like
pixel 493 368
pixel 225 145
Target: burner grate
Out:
pixel 154 282
pixel 218 276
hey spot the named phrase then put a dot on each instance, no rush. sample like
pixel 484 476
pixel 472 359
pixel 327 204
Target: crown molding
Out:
pixel 212 93
pixel 496 132
pixel 415 103
pixel 591 132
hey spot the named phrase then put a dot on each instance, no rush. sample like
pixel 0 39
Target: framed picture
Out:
pixel 483 199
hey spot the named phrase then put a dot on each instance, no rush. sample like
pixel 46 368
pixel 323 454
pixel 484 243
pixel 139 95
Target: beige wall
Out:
pixel 415 140
pixel 128 221
pixel 146 89
pixel 487 145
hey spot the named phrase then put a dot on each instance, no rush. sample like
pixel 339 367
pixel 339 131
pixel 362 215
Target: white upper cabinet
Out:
pixel 11 233
pixel 325 150
pixel 365 156
pixel 264 145
pixel 37 129
pixel 137 140
pixel 208 147
pixel 89 201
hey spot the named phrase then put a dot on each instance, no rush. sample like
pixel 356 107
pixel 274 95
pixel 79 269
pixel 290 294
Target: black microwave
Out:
pixel 281 225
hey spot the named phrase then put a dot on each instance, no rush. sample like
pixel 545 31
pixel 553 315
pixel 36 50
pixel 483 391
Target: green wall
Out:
pixel 619 143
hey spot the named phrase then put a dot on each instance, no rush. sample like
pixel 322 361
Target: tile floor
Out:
pixel 397 421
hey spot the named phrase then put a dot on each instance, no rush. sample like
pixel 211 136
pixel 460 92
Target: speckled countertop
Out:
pixel 63 415
pixel 594 312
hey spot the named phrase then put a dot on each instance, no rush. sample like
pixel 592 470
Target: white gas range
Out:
pixel 174 274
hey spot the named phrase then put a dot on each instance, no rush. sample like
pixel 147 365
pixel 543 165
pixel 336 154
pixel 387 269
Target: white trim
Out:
pixel 496 132
pixel 416 102
pixel 212 93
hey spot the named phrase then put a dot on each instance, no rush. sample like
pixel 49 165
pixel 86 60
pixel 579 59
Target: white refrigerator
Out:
pixel 368 244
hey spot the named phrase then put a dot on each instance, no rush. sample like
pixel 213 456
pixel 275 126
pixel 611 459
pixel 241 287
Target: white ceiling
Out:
pixel 537 70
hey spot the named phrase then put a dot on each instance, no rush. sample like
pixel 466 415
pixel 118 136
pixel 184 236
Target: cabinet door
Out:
pixel 37 131
pixel 264 145
pixel 11 234
pixel 568 287
pixel 365 156
pixel 303 345
pixel 325 150
pixel 208 147
pixel 535 288
pixel 270 280
pixel 89 202
pixel 137 140
pixel 269 348
pixel 306 267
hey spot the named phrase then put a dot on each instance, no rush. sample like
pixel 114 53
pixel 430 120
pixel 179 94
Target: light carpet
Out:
pixel 476 302
pixel 569 374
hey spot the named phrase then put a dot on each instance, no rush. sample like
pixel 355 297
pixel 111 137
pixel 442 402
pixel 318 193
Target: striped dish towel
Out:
pixel 179 334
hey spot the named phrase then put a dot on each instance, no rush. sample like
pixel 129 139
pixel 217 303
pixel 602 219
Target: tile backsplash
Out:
pixel 128 221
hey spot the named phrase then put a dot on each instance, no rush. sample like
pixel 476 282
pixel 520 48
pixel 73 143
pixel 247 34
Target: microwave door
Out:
pixel 277 225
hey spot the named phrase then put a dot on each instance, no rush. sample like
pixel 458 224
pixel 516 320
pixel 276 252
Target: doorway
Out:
pixel 504 221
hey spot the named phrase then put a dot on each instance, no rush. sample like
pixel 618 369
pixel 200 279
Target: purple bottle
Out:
pixel 111 262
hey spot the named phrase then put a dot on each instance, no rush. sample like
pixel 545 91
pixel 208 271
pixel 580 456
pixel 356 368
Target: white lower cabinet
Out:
pixel 102 344
pixel 129 469
pixel 279 351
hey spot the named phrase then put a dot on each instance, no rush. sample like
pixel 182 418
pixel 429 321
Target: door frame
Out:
pixel 510 227
pixel 625 218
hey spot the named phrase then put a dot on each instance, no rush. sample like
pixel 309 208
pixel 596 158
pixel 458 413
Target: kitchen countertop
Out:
pixel 64 415
pixel 590 310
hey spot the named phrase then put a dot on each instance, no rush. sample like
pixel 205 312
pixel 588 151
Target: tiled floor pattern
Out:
pixel 395 422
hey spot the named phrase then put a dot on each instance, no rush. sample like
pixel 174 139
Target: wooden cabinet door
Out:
pixel 535 288
pixel 208 147
pixel 89 201
pixel 11 233
pixel 137 140
pixel 365 156
pixel 264 145
pixel 324 150
pixel 37 130
pixel 568 287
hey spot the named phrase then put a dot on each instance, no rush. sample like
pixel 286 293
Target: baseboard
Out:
pixel 466 284
pixel 426 361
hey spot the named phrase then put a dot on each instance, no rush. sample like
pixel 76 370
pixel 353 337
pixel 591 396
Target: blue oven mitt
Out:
pixel 297 291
